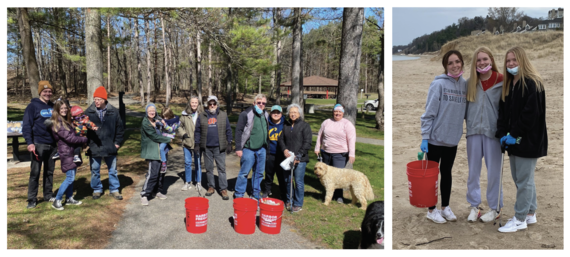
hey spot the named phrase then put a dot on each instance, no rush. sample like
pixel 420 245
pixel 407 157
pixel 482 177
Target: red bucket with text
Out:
pixel 196 214
pixel 270 212
pixel 422 183
pixel 244 215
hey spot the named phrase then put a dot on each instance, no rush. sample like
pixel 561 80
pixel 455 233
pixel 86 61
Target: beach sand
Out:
pixel 411 228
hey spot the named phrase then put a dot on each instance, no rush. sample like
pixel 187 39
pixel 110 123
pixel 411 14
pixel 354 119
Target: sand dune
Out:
pixel 411 229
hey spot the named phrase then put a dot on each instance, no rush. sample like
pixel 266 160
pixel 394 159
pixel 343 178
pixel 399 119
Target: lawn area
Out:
pixel 319 101
pixel 337 225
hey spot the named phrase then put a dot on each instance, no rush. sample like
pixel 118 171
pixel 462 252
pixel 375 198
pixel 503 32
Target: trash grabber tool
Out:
pixel 499 209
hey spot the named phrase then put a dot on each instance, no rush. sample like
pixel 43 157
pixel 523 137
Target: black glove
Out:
pixel 197 151
pixel 229 148
pixel 185 136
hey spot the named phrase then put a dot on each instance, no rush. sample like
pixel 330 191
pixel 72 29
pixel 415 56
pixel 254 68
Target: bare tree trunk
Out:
pixel 351 48
pixel 296 58
pixel 190 63
pixel 138 56
pixel 38 42
pixel 198 66
pixel 380 111
pixel 28 49
pixel 278 72
pixel 155 63
pixel 109 53
pixel 229 88
pixel 259 90
pixel 168 89
pixel 93 54
pixel 209 67
pixel 58 54
pixel 148 64
pixel 366 76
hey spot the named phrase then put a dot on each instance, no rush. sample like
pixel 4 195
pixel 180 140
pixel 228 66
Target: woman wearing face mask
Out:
pixel 442 127
pixel 483 94
pixel 522 128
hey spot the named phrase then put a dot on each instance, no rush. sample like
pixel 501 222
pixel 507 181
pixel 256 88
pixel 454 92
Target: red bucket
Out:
pixel 244 215
pixel 270 215
pixel 422 183
pixel 196 215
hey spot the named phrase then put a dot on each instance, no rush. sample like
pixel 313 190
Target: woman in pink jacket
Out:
pixel 336 143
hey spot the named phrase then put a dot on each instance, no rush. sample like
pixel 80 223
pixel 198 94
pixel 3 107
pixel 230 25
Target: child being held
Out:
pixel 170 124
pixel 81 124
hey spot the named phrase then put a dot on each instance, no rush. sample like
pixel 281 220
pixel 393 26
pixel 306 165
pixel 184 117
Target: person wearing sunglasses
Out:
pixel 251 144
pixel 212 136
pixel 41 144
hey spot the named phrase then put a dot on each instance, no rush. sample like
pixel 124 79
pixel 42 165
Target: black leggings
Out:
pixel 445 156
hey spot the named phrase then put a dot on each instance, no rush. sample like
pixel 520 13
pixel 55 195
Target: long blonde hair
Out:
pixel 526 70
pixel 56 117
pixel 472 83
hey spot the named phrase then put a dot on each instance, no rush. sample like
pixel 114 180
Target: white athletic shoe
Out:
pixel 530 219
pixel 513 225
pixel 435 216
pixel 186 186
pixel 448 214
pixel 474 214
pixel 490 216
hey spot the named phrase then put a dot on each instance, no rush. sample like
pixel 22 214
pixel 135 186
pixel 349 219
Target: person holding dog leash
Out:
pixel 483 95
pixel 442 127
pixel 522 128
pixel 336 142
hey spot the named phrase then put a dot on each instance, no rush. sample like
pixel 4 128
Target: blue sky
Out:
pixel 428 20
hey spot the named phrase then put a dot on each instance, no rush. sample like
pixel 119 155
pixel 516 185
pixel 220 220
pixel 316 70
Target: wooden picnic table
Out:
pixel 15 145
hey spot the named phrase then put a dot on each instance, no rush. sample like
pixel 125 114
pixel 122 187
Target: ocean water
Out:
pixel 404 58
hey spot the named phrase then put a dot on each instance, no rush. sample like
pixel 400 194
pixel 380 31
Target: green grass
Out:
pixel 360 101
pixel 337 225
pixel 365 127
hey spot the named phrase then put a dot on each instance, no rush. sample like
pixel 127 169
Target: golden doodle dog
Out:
pixel 333 178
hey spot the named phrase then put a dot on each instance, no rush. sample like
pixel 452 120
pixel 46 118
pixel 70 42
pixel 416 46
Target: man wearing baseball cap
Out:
pixel 40 143
pixel 104 142
pixel 275 155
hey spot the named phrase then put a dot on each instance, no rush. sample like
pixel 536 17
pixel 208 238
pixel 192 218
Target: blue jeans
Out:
pixel 96 184
pixel 163 151
pixel 250 160
pixel 299 189
pixel 190 175
pixel 66 186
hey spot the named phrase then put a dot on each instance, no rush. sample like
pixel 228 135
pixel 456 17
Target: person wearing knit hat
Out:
pixel 41 144
pixel 104 142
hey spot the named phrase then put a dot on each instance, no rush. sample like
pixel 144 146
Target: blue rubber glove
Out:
pixel 510 140
pixel 424 146
pixel 503 140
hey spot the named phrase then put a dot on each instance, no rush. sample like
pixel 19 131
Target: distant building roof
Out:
pixel 313 81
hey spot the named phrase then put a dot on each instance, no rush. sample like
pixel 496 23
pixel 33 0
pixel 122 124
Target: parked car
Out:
pixel 371 105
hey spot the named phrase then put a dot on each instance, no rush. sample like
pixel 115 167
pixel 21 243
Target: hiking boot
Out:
pixel 297 208
pixel 32 204
pixel 117 195
pixel 186 186
pixel 474 214
pixel 490 216
pixel 513 225
pixel 161 196
pixel 225 195
pixel 57 205
pixel 211 191
pixel 96 195
pixel 55 156
pixel 76 158
pixel 71 201
pixel 531 219
pixel 144 200
pixel 435 216
pixel 448 214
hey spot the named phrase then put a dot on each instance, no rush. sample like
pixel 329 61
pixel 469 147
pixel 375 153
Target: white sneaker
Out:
pixel 513 225
pixel 435 216
pixel 186 186
pixel 474 214
pixel 530 219
pixel 490 216
pixel 448 214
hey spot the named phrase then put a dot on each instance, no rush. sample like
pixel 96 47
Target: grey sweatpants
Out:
pixel 211 154
pixel 479 146
pixel 522 170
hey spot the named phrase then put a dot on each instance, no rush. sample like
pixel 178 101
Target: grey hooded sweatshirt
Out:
pixel 482 115
pixel 442 122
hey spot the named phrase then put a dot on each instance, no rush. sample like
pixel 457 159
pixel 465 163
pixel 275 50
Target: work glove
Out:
pixel 229 148
pixel 424 146
pixel 197 151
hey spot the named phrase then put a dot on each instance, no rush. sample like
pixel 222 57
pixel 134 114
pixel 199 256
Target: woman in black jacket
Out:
pixel 522 129
pixel 296 139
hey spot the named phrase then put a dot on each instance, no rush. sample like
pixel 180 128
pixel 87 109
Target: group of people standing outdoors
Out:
pixel 502 112
pixel 59 131
pixel 263 139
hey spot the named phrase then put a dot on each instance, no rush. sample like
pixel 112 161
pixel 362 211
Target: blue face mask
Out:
pixel 514 71
pixel 259 111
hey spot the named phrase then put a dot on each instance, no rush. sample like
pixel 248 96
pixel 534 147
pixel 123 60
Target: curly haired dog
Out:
pixel 333 178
